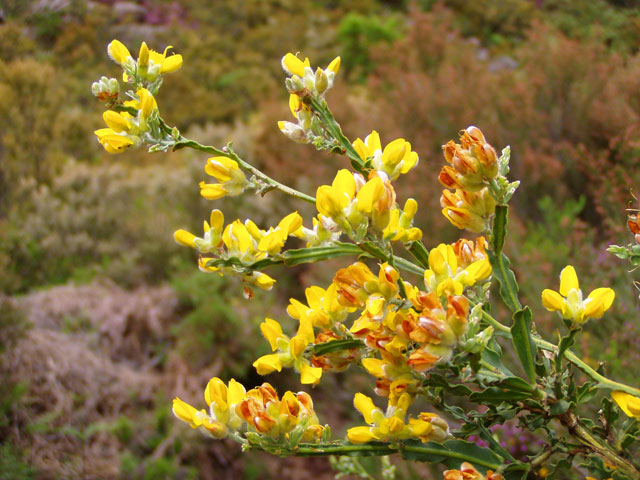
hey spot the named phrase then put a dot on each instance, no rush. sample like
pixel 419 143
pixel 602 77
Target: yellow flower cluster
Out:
pixel 391 425
pixel 231 409
pixel 128 122
pixel 149 65
pixel 125 129
pixel 239 245
pixel 304 82
pixel 468 472
pixel 473 165
pixel 396 158
pixel 352 204
pixel 569 301
pixel 403 340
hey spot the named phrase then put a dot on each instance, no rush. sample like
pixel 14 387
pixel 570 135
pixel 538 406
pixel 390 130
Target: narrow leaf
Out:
pixel 420 253
pixel 315 254
pixel 336 346
pixel 507 280
pixel 499 228
pixel 522 341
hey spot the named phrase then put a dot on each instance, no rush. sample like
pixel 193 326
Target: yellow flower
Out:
pixel 391 425
pixel 198 418
pixel 396 158
pixel 118 52
pixel 468 210
pixel 290 351
pixel 446 276
pixel 324 309
pixel 629 404
pixel 222 401
pixel 112 141
pixel 149 64
pixel 304 80
pixel 212 239
pixel 227 172
pixel 267 414
pixel 125 130
pixel 399 228
pixel 569 301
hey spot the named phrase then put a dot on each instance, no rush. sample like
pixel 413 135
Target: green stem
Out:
pixel 270 182
pixel 600 449
pixel 568 354
pixel 328 120
pixel 310 450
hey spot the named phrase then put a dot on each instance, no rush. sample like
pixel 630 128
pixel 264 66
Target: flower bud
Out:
pixel 322 82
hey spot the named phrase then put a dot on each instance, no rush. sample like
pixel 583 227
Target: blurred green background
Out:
pixel 103 318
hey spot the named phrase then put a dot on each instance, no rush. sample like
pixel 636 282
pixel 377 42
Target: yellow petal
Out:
pixel 293 65
pixel 184 238
pixel 115 121
pixel 345 184
pixel 143 56
pixel 605 295
pixel 553 301
pixel 334 66
pixel 185 412
pixel 216 220
pixel 171 64
pixel 568 280
pixel 365 406
pixel 629 404
pixel 268 363
pixel 369 194
pixel 310 375
pixel 212 191
pixel 272 331
pixel 118 52
pixel 360 434
pixel 216 391
pixel 236 392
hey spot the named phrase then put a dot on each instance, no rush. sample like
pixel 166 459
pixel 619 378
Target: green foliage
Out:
pixel 213 327
pixel 358 34
pixel 12 467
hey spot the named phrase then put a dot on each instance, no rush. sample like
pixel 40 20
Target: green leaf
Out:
pixel 437 380
pixel 559 407
pixel 336 346
pixel 516 384
pixel 506 278
pixel 516 471
pixel 565 343
pixel 315 254
pixel 586 393
pixel 499 228
pixel 522 341
pixel 452 453
pixel 492 354
pixel 497 395
pixel 420 253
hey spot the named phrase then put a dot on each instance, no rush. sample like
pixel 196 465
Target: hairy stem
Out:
pixel 270 182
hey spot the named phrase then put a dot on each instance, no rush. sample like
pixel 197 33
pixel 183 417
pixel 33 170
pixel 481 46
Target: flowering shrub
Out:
pixel 418 321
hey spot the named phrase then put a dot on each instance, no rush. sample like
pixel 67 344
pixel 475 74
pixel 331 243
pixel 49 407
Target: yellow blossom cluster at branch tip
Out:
pixel 396 158
pixel 125 129
pixel 231 409
pixel 244 243
pixel 569 301
pixel 473 165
